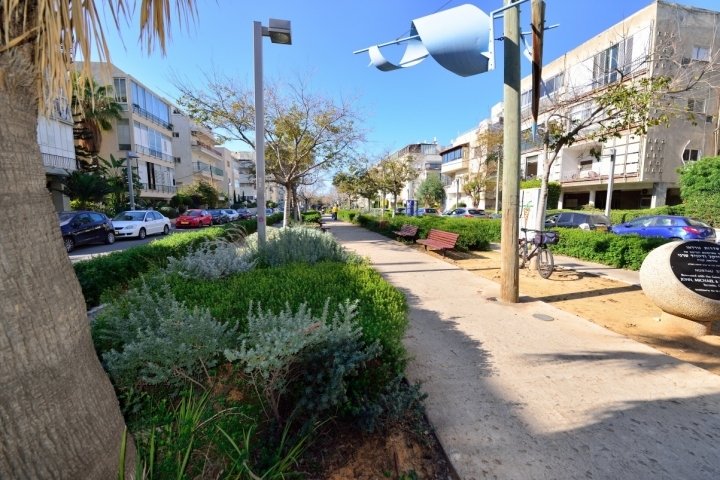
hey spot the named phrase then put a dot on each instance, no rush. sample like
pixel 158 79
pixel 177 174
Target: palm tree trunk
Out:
pixel 59 417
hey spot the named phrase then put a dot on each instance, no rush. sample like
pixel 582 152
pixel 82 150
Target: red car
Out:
pixel 194 218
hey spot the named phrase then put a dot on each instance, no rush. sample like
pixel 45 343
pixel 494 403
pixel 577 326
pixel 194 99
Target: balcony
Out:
pixel 459 165
pixel 154 153
pixel 149 116
pixel 209 149
pixel 207 170
pixel 56 161
pixel 161 189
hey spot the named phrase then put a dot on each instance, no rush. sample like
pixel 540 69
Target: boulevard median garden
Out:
pixel 229 358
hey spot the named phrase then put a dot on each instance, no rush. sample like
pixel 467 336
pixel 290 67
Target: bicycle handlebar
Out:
pixel 533 230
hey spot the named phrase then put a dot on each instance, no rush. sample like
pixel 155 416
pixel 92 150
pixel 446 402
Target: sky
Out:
pixel 423 103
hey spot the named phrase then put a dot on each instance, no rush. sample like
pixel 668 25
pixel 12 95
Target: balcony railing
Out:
pixel 156 120
pixel 171 189
pixel 209 148
pixel 205 168
pixel 57 161
pixel 154 153
pixel 455 165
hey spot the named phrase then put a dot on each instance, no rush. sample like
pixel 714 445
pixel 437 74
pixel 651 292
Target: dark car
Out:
pixel 666 226
pixel 219 217
pixel 81 227
pixel 466 212
pixel 591 221
pixel 245 214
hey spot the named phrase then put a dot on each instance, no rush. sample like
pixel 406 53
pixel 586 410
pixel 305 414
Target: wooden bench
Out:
pixel 407 231
pixel 324 227
pixel 439 240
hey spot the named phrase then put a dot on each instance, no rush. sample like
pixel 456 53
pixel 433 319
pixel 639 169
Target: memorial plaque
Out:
pixel 697 265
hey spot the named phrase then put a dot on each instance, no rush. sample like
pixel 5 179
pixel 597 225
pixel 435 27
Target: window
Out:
pixel 123 134
pixel 176 134
pixel 700 53
pixel 120 90
pixel 611 64
pixel 531 166
pixel 525 98
pixel 452 155
pixel 690 155
pixel 552 85
pixel 696 105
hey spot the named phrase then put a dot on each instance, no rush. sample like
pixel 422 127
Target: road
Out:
pixel 85 252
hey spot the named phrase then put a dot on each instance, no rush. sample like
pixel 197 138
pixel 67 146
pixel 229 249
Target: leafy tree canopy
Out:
pixel 700 178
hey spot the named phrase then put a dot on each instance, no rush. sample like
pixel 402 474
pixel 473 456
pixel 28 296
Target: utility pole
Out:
pixel 509 275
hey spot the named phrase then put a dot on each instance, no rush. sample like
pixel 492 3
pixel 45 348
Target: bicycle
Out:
pixel 545 261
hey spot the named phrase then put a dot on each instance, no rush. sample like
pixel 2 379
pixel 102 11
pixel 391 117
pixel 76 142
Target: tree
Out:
pixel 490 146
pixel 85 187
pixel 305 134
pixel 201 193
pixel 431 192
pixel 114 171
pixel 93 109
pixel 700 189
pixel 60 415
pixel 393 175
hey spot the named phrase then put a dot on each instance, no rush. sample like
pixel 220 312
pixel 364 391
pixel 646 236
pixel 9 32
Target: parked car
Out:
pixel 590 221
pixel 84 226
pixel 219 217
pixel 194 218
pixel 231 213
pixel 466 212
pixel 427 211
pixel 400 211
pixel 139 223
pixel 666 226
pixel 244 213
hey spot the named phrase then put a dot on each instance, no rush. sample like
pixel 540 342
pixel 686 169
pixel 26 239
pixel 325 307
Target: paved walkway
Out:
pixel 527 391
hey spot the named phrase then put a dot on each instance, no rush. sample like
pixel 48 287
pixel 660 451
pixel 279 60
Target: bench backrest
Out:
pixel 443 237
pixel 409 229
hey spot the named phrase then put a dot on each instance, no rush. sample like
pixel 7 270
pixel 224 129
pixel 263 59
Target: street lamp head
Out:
pixel 279 31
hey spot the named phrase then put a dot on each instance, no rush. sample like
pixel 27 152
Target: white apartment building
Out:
pixel 145 130
pixel 464 158
pixel 57 147
pixel 425 157
pixel 662 39
pixel 242 178
pixel 197 157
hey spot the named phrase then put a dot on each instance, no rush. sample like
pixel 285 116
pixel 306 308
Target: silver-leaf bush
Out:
pixel 212 260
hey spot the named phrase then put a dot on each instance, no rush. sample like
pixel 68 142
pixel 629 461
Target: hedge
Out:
pixel 621 251
pixel 475 233
pixel 113 272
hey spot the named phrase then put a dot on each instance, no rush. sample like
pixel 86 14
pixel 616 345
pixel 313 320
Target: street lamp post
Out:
pixel 457 192
pixel 279 32
pixel 131 192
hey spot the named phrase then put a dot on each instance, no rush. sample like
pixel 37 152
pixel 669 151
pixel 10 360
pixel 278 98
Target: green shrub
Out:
pixel 621 251
pixel 169 212
pixel 295 244
pixel 705 208
pixel 148 337
pixel 212 259
pixel 113 272
pixel 381 308
pixel 286 355
pixel 311 217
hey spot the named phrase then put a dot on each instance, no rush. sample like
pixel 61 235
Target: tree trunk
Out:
pixel 59 417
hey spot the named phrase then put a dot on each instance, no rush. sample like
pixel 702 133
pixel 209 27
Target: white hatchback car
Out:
pixel 140 223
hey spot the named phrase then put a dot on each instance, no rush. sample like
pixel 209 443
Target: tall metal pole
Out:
pixel 509 275
pixel 611 181
pixel 259 132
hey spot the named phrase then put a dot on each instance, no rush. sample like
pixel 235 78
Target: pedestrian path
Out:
pixel 527 391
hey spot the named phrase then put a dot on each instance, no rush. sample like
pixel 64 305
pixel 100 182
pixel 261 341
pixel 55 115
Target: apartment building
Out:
pixel 143 134
pixel 467 159
pixel 425 157
pixel 197 156
pixel 662 39
pixel 55 137
pixel 242 177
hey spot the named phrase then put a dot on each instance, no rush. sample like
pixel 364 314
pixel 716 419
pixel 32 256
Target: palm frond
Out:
pixel 59 31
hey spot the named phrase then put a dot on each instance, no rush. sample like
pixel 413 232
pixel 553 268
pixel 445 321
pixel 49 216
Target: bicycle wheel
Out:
pixel 545 262
pixel 522 252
